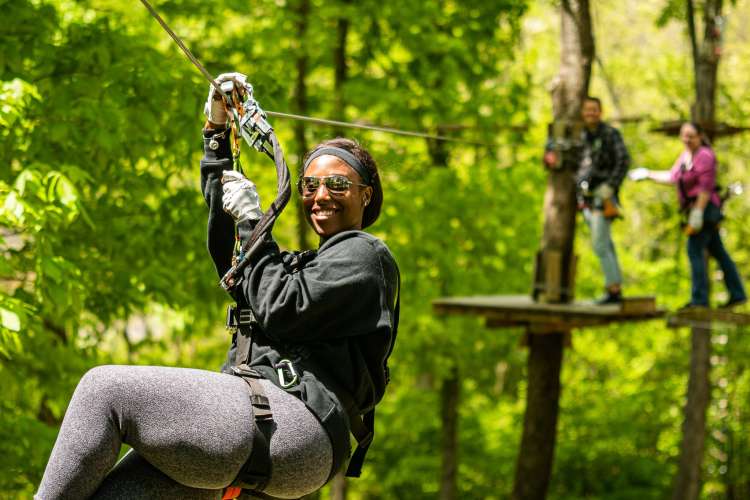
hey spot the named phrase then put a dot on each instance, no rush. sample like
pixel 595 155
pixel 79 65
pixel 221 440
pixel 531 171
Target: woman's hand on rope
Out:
pixel 215 108
pixel 240 199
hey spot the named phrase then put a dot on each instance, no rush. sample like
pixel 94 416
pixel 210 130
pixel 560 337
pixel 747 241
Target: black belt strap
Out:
pixel 240 320
pixel 256 472
pixel 363 429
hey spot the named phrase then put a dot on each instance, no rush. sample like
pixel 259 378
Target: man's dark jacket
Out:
pixel 605 157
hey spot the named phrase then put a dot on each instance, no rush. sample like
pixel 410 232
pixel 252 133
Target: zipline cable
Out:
pixel 377 128
pixel 290 116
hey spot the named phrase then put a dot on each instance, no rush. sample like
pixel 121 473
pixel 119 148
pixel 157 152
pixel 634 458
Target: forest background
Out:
pixel 102 223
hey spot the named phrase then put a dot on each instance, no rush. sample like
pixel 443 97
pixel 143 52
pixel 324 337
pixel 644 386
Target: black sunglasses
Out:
pixel 335 184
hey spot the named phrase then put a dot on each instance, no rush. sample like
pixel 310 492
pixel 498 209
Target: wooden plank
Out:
pixel 704 317
pixel 631 305
pixel 521 304
pixel 518 310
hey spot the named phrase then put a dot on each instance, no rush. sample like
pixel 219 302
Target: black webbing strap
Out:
pixel 687 200
pixel 256 472
pixel 241 319
pixel 363 427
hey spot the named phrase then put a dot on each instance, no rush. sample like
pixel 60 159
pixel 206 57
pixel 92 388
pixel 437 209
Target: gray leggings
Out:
pixel 190 430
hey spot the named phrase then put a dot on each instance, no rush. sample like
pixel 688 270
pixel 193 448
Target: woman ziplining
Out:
pixel 312 333
pixel 694 175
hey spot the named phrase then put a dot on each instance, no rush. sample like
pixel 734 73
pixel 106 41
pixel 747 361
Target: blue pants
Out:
pixel 601 239
pixel 708 239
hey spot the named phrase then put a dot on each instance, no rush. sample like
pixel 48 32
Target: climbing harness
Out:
pixel 711 216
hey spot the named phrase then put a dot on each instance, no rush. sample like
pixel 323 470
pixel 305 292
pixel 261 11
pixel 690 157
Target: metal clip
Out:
pixel 285 363
pixel 246 316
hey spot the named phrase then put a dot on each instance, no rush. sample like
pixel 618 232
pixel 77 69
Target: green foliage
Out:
pixel 102 252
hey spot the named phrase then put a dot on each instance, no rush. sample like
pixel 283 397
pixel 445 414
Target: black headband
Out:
pixel 342 154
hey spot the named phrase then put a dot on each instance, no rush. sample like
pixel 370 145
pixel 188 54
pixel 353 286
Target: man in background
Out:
pixel 604 163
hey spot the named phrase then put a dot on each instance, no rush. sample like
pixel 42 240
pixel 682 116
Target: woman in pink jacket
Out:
pixel 694 175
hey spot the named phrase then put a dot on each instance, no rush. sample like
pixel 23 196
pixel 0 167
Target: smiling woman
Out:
pixel 312 332
pixel 340 187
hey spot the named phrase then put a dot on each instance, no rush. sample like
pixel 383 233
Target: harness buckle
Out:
pixel 246 316
pixel 239 316
pixel 285 366
pixel 244 370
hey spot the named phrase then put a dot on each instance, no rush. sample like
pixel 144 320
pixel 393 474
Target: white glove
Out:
pixel 240 199
pixel 695 219
pixel 639 174
pixel 215 108
pixel 604 191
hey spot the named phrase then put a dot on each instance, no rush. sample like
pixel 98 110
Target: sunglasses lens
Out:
pixel 337 183
pixel 308 185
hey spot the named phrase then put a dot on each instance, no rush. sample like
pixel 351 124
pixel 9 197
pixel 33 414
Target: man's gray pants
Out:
pixel 601 239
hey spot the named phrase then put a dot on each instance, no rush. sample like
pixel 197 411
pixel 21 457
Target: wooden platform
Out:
pixel 521 310
pixel 705 318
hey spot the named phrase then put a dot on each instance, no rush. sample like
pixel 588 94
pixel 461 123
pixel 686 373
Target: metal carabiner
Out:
pixel 285 363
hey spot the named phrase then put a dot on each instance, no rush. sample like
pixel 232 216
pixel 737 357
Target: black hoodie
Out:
pixel 330 311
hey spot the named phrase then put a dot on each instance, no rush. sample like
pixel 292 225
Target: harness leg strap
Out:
pixel 256 472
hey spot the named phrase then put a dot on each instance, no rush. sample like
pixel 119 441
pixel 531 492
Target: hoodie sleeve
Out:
pixel 220 234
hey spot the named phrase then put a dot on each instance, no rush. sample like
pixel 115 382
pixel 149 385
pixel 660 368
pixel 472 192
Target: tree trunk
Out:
pixel 302 11
pixel 536 454
pixel 706 56
pixel 340 69
pixel 535 459
pixel 449 399
pixel 706 62
pixel 688 481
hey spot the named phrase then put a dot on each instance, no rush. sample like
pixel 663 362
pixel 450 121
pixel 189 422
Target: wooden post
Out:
pixel 688 481
pixel 536 454
pixel 450 394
